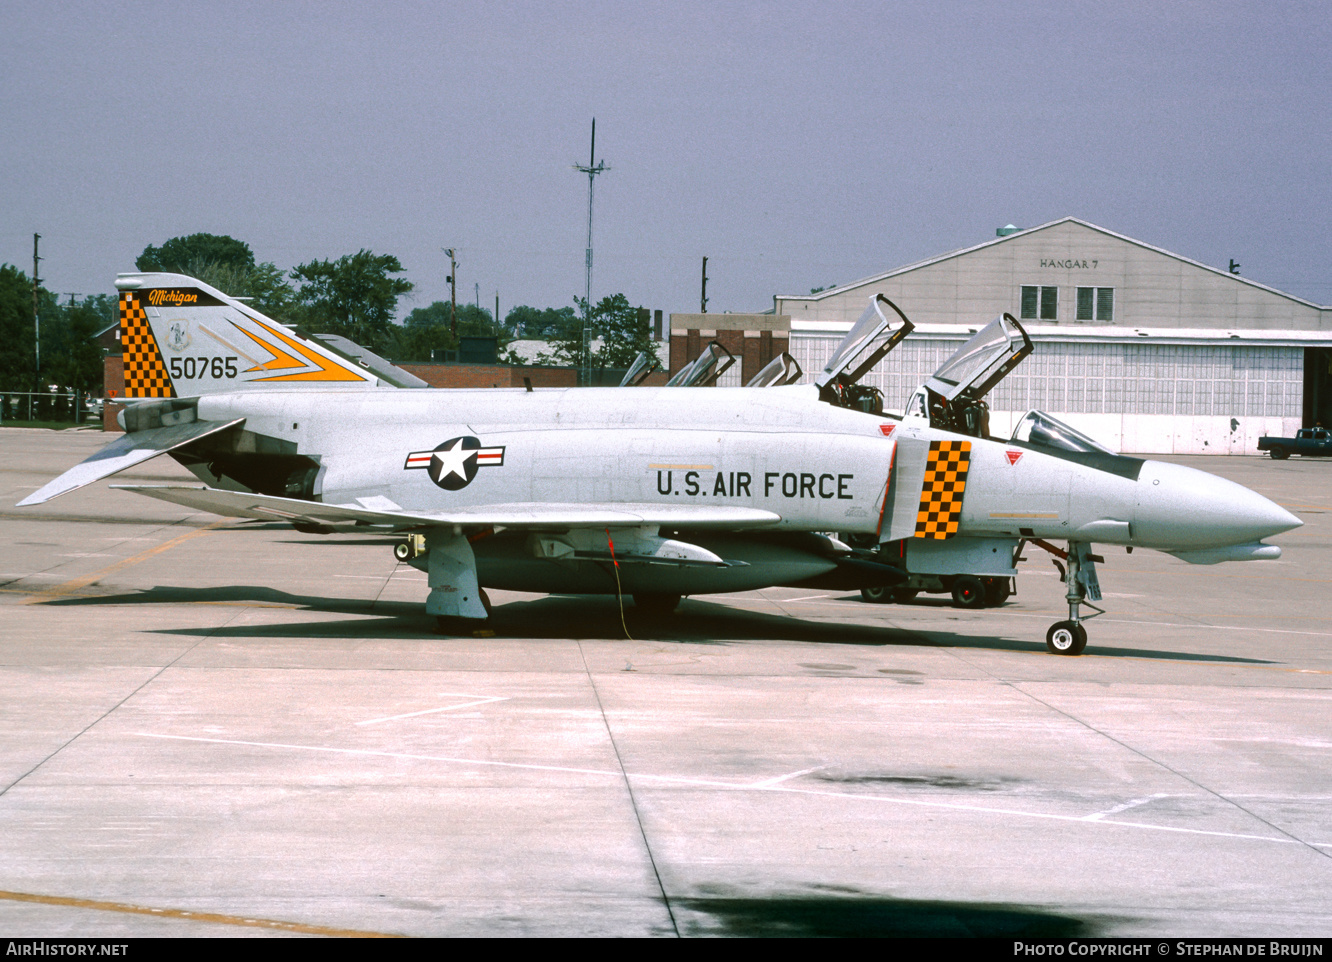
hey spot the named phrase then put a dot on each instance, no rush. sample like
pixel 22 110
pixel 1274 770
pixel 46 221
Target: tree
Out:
pixel 75 358
pixel 71 358
pixel 264 287
pixel 427 331
pixel 624 332
pixel 16 334
pixel 622 329
pixel 354 296
pixel 544 324
pixel 227 264
pixel 181 255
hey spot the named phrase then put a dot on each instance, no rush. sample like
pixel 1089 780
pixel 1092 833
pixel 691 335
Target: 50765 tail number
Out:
pixel 190 368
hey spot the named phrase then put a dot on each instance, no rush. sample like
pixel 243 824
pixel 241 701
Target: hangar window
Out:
pixel 1101 300
pixel 1040 303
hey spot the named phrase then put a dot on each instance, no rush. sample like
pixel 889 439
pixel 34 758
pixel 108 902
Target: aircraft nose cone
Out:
pixel 1183 508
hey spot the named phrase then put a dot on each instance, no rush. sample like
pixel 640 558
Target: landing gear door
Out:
pixel 872 337
pixel 954 393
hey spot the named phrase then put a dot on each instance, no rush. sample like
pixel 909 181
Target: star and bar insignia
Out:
pixel 454 463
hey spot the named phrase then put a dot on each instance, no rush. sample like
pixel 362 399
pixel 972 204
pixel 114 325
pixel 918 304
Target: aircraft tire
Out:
pixel 968 592
pixel 402 551
pixel 1066 638
pixel 1278 453
pixel 653 605
pixel 876 596
pixel 997 591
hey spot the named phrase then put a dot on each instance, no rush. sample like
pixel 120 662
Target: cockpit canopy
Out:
pixel 780 371
pixel 954 394
pixel 705 369
pixel 981 363
pixel 1037 427
pixel 642 368
pixel 872 337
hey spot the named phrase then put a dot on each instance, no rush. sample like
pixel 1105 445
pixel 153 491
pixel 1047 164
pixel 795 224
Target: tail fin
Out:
pixel 182 338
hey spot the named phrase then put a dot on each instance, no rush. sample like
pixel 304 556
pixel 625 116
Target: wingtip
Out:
pixel 41 496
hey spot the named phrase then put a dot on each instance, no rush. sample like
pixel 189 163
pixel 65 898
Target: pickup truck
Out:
pixel 1311 442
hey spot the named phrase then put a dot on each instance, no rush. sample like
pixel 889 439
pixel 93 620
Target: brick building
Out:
pixel 753 339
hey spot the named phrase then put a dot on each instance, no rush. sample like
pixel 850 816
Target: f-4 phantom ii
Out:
pixel 654 492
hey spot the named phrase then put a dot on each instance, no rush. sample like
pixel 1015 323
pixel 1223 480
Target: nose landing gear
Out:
pixel 1070 637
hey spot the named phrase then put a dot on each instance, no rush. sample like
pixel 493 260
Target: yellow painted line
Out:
pixel 681 467
pixel 211 917
pixel 69 587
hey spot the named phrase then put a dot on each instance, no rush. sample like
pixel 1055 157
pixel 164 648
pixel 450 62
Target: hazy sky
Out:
pixel 797 145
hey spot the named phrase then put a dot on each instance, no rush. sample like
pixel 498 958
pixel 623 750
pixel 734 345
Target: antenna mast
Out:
pixel 592 169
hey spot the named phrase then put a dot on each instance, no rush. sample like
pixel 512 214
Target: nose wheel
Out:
pixel 1066 638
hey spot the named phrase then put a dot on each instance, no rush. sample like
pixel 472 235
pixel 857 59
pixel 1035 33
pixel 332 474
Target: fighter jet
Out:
pixel 655 493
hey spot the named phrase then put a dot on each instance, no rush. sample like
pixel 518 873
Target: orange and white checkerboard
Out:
pixel 145 371
pixel 941 494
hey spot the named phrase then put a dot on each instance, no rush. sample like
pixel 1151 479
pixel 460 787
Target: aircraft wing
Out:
pixel 125 452
pixel 382 511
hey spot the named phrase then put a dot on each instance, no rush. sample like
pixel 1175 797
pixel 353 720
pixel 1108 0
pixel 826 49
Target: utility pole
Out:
pixel 591 172
pixel 453 290
pixel 704 303
pixel 497 317
pixel 36 318
pixel 477 294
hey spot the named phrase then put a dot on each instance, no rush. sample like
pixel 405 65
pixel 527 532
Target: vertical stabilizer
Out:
pixel 182 338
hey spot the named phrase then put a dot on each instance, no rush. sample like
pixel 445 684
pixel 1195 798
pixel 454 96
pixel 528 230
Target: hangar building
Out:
pixel 1142 349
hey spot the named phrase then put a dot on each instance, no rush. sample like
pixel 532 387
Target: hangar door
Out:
pixel 1317 387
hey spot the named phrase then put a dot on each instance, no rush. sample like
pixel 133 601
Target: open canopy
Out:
pixel 872 337
pixel 778 372
pixel 982 362
pixel 705 369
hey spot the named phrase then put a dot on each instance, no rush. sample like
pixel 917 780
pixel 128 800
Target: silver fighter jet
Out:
pixel 655 493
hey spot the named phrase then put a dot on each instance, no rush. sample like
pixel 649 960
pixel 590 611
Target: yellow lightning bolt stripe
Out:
pixel 327 369
pixel 281 359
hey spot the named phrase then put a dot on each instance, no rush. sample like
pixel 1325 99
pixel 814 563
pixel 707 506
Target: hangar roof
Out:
pixel 1017 235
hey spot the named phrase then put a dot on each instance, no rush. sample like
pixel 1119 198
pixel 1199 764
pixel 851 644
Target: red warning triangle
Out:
pixel 1013 456
pixel 887 429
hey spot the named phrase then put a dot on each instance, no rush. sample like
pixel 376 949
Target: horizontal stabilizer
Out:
pixel 125 452
pixel 534 515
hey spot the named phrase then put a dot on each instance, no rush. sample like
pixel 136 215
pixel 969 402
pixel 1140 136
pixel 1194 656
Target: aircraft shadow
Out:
pixel 864 915
pixel 69 518
pixel 1092 648
pixel 559 617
